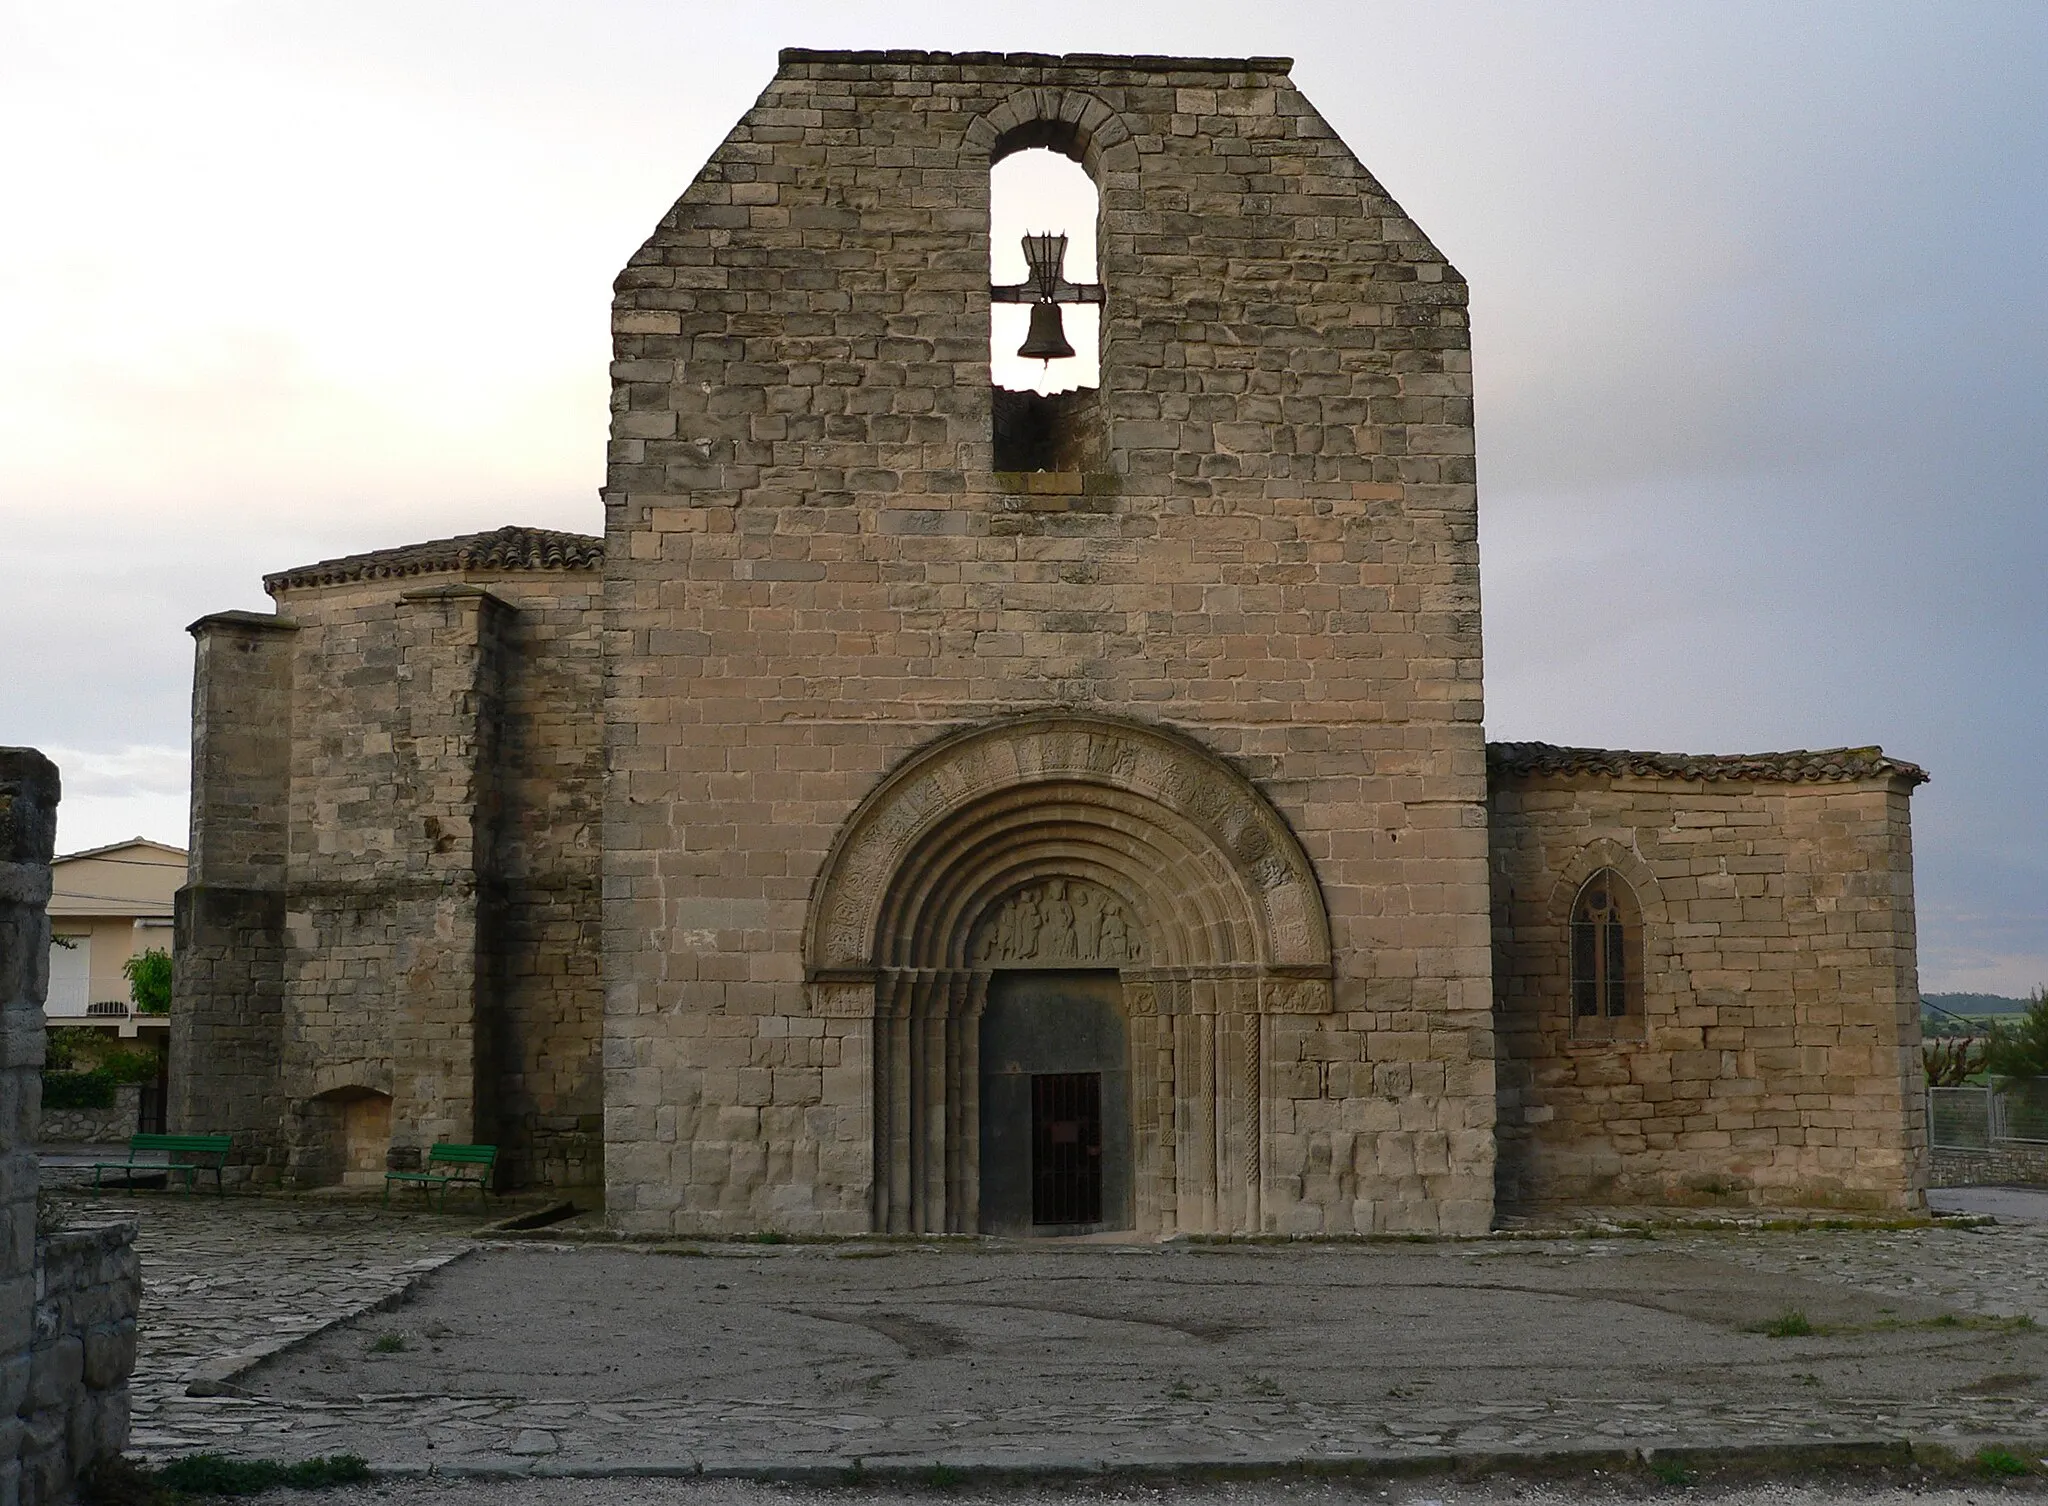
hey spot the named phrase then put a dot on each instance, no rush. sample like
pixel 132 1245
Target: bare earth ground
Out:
pixel 822 1361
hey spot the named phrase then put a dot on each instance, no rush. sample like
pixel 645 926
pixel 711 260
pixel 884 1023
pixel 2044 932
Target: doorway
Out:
pixel 1066 1148
pixel 1055 1104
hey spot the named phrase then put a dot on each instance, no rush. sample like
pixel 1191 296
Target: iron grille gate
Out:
pixel 1066 1148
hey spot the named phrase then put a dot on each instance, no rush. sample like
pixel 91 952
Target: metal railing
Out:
pixel 1983 1118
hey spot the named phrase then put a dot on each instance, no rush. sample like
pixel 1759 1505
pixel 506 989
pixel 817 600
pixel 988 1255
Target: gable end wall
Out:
pixel 812 571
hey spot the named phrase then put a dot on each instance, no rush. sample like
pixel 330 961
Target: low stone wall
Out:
pixel 2009 1164
pixel 67 1297
pixel 88 1285
pixel 109 1126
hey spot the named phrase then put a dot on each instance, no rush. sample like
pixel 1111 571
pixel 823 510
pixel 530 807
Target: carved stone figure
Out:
pixel 1057 920
pixel 1027 923
pixel 1116 938
pixel 1087 920
pixel 1057 939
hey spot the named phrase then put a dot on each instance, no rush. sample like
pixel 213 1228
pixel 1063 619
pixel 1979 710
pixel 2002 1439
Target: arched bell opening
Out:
pixel 1045 313
pixel 1045 287
pixel 1077 869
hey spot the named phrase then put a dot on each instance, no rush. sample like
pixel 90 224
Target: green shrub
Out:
pixel 2019 1050
pixel 149 981
pixel 78 1090
pixel 130 1066
pixel 63 1043
pixel 81 1048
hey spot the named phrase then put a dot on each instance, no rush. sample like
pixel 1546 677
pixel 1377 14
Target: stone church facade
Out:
pixel 896 824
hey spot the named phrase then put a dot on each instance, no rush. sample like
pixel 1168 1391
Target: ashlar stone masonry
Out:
pixel 934 807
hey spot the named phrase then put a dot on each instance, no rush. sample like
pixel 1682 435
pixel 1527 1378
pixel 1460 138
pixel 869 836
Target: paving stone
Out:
pixel 222 1278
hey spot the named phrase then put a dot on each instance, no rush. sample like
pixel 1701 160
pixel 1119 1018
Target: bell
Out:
pixel 1047 340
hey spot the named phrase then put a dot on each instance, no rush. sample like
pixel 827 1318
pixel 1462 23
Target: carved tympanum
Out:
pixel 1058 920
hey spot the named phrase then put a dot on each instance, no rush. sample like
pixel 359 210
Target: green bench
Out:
pixel 173 1155
pixel 462 1166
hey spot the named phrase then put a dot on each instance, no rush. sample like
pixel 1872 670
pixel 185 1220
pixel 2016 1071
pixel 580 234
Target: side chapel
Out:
pixel 938 807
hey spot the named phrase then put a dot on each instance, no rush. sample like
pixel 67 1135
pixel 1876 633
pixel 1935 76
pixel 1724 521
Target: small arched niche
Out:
pixel 348 1137
pixel 1046 412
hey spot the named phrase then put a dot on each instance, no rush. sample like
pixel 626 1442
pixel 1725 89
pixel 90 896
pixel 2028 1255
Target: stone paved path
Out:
pixel 222 1280
pixel 232 1278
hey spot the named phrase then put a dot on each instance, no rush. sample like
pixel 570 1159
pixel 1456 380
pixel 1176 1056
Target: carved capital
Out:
pixel 1284 995
pixel 841 1000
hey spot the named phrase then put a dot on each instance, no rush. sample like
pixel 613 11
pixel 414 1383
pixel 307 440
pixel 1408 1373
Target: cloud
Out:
pixel 112 794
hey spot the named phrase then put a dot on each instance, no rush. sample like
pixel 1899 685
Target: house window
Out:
pixel 70 992
pixel 1607 954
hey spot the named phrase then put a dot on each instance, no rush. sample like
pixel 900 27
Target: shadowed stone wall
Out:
pixel 394 903
pixel 1776 1060
pixel 812 569
pixel 68 1298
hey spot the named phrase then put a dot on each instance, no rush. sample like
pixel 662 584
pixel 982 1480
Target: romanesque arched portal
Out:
pixel 1061 842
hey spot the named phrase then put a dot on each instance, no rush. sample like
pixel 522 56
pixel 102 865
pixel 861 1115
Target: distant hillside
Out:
pixel 1977 1003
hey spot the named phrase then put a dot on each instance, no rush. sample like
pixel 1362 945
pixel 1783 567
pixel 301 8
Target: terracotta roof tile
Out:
pixel 1824 765
pixel 503 549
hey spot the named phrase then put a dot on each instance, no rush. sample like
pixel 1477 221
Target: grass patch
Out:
pixel 1790 1324
pixel 1671 1472
pixel 121 1482
pixel 388 1343
pixel 1974 1322
pixel 943 1477
pixel 2000 1463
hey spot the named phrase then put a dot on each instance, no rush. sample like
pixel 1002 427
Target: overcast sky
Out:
pixel 1760 326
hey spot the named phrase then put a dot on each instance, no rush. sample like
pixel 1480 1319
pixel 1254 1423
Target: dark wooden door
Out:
pixel 1055 1104
pixel 1066 1148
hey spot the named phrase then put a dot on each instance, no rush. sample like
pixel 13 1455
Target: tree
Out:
pixel 2019 1051
pixel 149 981
pixel 1952 1061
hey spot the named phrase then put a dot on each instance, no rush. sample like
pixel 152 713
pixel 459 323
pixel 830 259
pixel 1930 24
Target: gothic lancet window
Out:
pixel 1607 953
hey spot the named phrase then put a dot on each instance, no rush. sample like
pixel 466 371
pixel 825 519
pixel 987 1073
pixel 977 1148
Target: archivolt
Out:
pixel 1068 121
pixel 1219 897
pixel 1212 873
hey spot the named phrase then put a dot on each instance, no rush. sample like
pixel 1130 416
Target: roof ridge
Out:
pixel 1130 62
pixel 93 852
pixel 512 547
pixel 1796 766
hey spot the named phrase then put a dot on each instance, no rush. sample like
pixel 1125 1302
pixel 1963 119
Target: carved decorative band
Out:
pixel 1165 992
